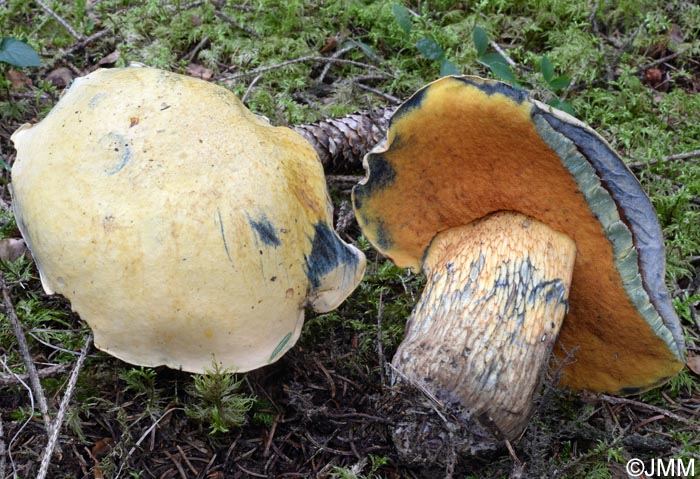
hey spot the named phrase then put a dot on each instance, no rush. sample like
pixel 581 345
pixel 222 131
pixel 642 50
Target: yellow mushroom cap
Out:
pixel 182 227
pixel 463 147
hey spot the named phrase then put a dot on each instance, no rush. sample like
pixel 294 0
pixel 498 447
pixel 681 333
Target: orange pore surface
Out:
pixel 461 154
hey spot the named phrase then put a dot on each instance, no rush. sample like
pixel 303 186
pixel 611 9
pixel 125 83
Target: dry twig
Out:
pixel 3 451
pixel 13 379
pixel 503 53
pixel 148 431
pixel 237 25
pixel 661 60
pixel 380 334
pixel 380 93
pixel 75 48
pixel 37 390
pixel 327 66
pixel 678 156
pixel 638 404
pixel 55 428
pixel 309 58
pixel 60 20
pixel 250 88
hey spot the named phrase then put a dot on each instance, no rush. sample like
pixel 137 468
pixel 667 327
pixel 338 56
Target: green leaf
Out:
pixel 493 58
pixel 559 83
pixel 498 65
pixel 448 68
pixel 547 69
pixel 403 17
pixel 481 41
pixel 430 49
pixel 562 105
pixel 18 53
pixel 366 49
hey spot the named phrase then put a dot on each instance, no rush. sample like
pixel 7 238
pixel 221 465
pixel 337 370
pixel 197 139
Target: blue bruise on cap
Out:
pixel 265 231
pixel 494 88
pixel 280 346
pixel 120 145
pixel 382 236
pixel 382 174
pixel 408 106
pixel 327 253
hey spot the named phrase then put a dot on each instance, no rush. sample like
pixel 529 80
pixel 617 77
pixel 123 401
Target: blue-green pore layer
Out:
pixel 611 190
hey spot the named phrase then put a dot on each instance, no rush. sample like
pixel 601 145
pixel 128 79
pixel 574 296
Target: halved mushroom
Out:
pixel 182 227
pixel 500 199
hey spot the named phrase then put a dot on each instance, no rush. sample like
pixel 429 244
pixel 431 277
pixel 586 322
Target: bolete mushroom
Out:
pixel 519 215
pixel 182 227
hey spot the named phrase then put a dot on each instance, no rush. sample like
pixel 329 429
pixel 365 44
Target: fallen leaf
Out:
pixel 101 448
pixel 60 77
pixel 110 59
pixel 675 35
pixel 12 248
pixel 654 76
pixel 331 45
pixel 693 363
pixel 18 79
pixel 199 71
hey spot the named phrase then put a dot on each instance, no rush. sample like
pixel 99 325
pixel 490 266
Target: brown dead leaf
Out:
pixel 60 77
pixel 110 59
pixel 693 363
pixel 199 71
pixel 654 76
pixel 675 35
pixel 12 248
pixel 331 45
pixel 101 448
pixel 18 79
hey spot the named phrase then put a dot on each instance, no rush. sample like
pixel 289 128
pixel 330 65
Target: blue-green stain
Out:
pixel 493 88
pixel 409 105
pixel 382 236
pixel 223 235
pixel 327 253
pixel 119 143
pixel 381 175
pixel 265 231
pixel 96 99
pixel 280 346
pixel 630 390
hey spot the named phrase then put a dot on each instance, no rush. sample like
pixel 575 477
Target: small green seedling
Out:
pixel 499 66
pixel 217 400
pixel 555 83
pixel 493 61
pixel 428 47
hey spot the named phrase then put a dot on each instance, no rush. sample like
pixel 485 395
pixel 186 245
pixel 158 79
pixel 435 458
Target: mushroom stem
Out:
pixel 482 332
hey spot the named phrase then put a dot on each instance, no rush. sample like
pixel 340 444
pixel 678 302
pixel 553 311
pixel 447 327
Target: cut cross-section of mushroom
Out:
pixel 497 197
pixel 182 227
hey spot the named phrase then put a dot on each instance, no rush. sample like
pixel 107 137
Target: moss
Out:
pixel 607 58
